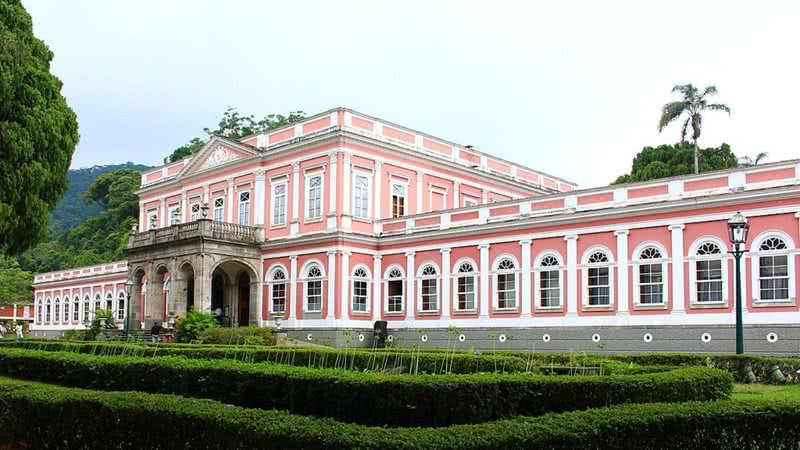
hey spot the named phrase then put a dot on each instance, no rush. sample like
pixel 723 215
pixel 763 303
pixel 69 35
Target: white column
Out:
pixel 345 288
pixel 333 182
pixel 293 297
pixel 484 281
pixel 377 276
pixel 162 213
pixel 446 282
pixel 259 197
pixel 378 196
pixel 260 297
pixel 622 271
pixel 456 195
pixel 678 305
pixel 411 304
pixel 331 285
pixel 572 274
pixel 231 202
pixel 525 245
pixel 419 193
pixel 206 194
pixel 294 226
pixel 142 217
pixel 347 220
pixel 184 213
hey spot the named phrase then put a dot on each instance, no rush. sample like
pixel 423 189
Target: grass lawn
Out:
pixel 766 391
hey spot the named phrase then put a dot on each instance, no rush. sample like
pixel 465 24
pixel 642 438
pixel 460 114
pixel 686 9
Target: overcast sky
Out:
pixel 570 88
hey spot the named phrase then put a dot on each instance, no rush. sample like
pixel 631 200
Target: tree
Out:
pixel 692 105
pixel 672 160
pixel 15 283
pixel 38 133
pixel 233 125
pixel 746 161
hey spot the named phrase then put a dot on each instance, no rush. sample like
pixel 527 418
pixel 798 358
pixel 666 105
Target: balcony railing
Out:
pixel 197 229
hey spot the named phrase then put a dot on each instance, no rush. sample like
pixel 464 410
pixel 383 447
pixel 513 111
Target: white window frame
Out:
pixel 48 311
pixel 456 275
pixel 368 281
pixel 272 282
pixel 404 185
pixel 755 262
pixel 57 310
pixel 723 257
pixel 174 215
pixel 306 198
pixel 438 283
pixel 586 265
pixel 76 304
pixel 403 297
pixel 275 183
pixel 67 310
pixel 246 204
pixel 468 201
pixel 368 177
pixel 537 280
pixel 665 274
pixel 220 209
pixel 306 280
pixel 87 309
pixel 517 282
pixel 195 212
pixel 149 219
pixel 434 189
pixel 122 301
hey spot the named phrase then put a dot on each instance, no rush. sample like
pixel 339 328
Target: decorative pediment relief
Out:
pixel 220 155
pixel 217 152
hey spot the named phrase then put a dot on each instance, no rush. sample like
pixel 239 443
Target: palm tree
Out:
pixel 692 106
pixel 746 161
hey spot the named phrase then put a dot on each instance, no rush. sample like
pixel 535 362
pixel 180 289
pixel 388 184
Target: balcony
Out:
pixel 199 229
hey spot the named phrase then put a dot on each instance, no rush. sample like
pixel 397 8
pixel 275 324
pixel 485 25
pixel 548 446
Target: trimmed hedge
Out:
pixel 322 357
pixel 36 415
pixel 368 398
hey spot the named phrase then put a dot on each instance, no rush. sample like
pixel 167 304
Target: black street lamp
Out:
pixel 128 291
pixel 737 231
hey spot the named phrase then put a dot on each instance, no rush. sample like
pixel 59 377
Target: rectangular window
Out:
pixel 75 306
pixel 466 293
pixel 429 295
pixel 152 220
pixel 651 284
pixel 219 209
pixel 506 291
pixel 599 291
pixel 314 295
pixel 470 201
pixel 438 200
pixel 279 297
pixel 360 295
pixel 279 204
pixel 175 215
pixel 709 281
pixel 398 200
pixel 195 212
pixel 395 296
pixel 550 289
pixel 314 197
pixel 244 208
pixel 361 196
pixel 773 277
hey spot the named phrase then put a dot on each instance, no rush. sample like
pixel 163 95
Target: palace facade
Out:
pixel 326 226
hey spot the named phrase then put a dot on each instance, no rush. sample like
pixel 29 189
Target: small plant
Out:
pixel 194 324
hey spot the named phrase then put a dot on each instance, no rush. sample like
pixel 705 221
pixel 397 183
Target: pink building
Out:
pixel 344 219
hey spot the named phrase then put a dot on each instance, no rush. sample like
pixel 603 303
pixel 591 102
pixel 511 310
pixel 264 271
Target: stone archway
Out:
pixel 137 298
pixel 234 293
pixel 155 303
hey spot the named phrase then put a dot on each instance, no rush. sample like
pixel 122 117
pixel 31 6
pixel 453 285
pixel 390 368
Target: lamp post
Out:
pixel 128 290
pixel 737 232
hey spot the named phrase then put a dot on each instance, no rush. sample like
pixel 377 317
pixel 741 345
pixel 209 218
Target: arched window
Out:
pixel 394 290
pixel 66 310
pixel 98 304
pixel 76 303
pixel 48 318
pixel 277 291
pixel 549 282
pixel 360 290
pixel 57 310
pixel 651 276
pixel 773 274
pixel 707 276
pixel 428 289
pixel 313 288
pixel 109 302
pixel 86 309
pixel 121 306
pixel 505 284
pixel 598 279
pixel 465 286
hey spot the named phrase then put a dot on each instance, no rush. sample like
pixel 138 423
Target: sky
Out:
pixel 571 88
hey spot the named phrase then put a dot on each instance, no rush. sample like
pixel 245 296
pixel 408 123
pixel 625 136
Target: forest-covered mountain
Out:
pixel 72 211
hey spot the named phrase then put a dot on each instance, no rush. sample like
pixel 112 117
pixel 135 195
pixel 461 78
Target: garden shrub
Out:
pixel 36 415
pixel 237 336
pixel 194 324
pixel 369 398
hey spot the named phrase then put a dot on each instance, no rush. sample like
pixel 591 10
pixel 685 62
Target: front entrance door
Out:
pixel 244 300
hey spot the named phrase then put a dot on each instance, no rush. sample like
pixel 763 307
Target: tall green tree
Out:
pixel 672 160
pixel 15 283
pixel 38 133
pixel 233 125
pixel 692 106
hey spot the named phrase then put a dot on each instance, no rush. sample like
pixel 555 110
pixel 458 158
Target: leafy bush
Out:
pixel 45 416
pixel 369 398
pixel 194 324
pixel 237 336
pixel 103 320
pixel 75 335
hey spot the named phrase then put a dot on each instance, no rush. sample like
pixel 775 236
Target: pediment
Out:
pixel 217 152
